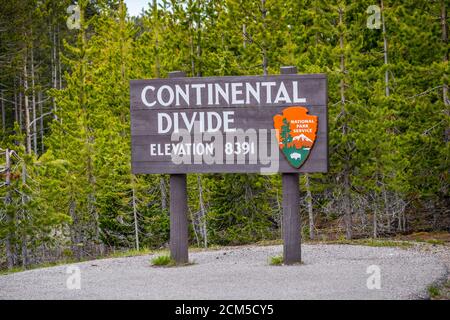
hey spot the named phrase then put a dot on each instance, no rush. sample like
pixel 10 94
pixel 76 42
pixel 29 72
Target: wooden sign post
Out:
pixel 291 205
pixel 179 242
pixel 248 124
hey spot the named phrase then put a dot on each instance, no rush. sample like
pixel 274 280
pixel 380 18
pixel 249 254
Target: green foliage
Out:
pixel 130 253
pixel 163 261
pixel 276 261
pixel 241 209
pixel 374 243
pixel 434 291
pixel 435 242
pixel 389 150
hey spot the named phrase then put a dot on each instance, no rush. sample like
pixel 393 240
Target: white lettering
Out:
pixel 254 92
pixel 184 94
pixel 144 98
pixel 227 121
pixel 198 87
pixel 295 93
pixel 268 86
pixel 235 92
pixel 162 116
pixel 282 94
pixel 223 93
pixel 160 96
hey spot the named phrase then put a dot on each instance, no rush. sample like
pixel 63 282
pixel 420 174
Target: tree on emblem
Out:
pixel 286 132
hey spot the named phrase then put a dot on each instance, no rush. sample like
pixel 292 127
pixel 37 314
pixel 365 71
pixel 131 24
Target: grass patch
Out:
pixel 279 261
pixel 428 237
pixel 435 242
pixel 212 247
pixel 71 260
pixel 276 261
pixel 39 266
pixel 373 243
pixel 163 261
pixel 264 243
pixel 13 270
pixel 434 291
pixel 385 243
pixel 440 292
pixel 129 253
pixel 167 261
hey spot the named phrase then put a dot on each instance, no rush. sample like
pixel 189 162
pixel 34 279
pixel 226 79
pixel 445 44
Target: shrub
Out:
pixel 276 261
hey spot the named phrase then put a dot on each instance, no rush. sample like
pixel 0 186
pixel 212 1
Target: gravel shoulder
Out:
pixel 328 272
pixel 442 252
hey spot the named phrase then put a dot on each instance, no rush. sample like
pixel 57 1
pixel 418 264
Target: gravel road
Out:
pixel 328 272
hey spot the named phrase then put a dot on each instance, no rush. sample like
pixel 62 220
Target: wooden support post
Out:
pixel 291 219
pixel 291 202
pixel 178 210
pixel 178 219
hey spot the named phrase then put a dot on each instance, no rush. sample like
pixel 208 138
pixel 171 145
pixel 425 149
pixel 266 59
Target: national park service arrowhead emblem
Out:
pixel 296 133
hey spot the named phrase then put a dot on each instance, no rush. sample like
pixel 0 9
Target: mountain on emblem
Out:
pixel 301 137
pixel 296 134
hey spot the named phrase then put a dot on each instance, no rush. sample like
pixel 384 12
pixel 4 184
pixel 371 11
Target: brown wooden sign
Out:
pixel 230 124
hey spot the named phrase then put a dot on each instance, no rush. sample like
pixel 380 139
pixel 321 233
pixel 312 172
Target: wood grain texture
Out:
pixel 178 219
pixel 144 126
pixel 292 250
pixel 179 232
pixel 311 87
pixel 291 219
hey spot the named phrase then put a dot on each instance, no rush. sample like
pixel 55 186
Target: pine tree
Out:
pixel 286 133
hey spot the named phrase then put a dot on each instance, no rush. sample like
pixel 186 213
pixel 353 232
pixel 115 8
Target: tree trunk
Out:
pixel 122 38
pixel 342 62
pixel 346 172
pixel 9 219
pixel 445 41
pixel 265 63
pixel 3 113
pixel 191 44
pixel 33 102
pixel 24 218
pixel 310 207
pixel 58 58
pixel 202 212
pixel 54 69
pixel 435 214
pixel 74 230
pixel 385 51
pixel 375 222
pixel 156 22
pixel 136 226
pixel 244 35
pixel 16 111
pixel 162 182
pixel 162 188
pixel 199 44
pixel 386 74
pixel 20 107
pixel 347 205
pixel 27 109
pixel 388 209
pixel 41 121
pixel 404 221
pixel 89 138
